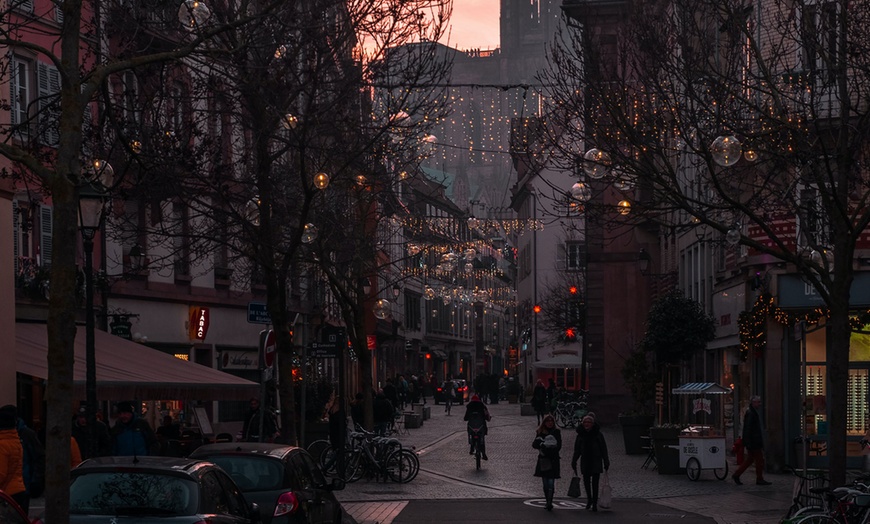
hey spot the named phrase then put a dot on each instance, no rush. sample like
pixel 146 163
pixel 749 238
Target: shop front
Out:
pixel 806 361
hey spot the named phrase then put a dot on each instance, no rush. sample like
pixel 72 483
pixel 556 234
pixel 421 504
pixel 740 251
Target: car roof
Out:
pixel 245 448
pixel 170 464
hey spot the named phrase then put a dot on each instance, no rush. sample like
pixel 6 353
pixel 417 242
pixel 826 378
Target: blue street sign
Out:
pixel 257 313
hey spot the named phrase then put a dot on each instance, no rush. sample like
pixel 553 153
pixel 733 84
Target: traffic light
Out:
pixel 570 334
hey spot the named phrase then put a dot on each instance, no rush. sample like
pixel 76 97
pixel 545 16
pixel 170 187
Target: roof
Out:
pixel 559 361
pixel 256 448
pixel 127 370
pixel 694 388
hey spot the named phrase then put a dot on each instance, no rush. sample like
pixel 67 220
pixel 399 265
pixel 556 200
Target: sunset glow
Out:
pixel 474 25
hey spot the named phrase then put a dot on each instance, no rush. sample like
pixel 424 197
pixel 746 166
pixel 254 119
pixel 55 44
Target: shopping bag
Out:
pixel 545 464
pixel 605 494
pixel 574 488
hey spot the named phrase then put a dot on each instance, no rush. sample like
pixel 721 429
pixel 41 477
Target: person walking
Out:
pixel 591 449
pixel 132 436
pixel 12 458
pixel 81 432
pixel 539 400
pixel 548 442
pixel 251 426
pixel 449 390
pixel 383 413
pixel 753 442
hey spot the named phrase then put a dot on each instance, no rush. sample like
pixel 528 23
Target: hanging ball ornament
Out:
pixel 470 253
pixel 381 309
pixel 581 192
pixel 624 207
pixel 429 293
pixel 193 14
pixel 750 155
pixel 289 121
pixel 321 180
pixel 596 164
pixel 413 249
pixel 726 150
pixel 473 223
pixel 732 236
pixel 309 233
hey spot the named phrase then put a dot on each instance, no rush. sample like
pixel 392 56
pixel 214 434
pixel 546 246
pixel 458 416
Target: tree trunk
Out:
pixel 838 377
pixel 62 309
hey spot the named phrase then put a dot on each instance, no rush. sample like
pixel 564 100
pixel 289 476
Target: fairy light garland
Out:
pixel 751 324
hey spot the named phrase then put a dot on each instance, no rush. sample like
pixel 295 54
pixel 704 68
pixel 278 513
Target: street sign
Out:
pixel 269 349
pixel 323 350
pixel 257 313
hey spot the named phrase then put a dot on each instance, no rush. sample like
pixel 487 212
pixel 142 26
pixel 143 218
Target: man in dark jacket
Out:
pixel 383 412
pixel 132 436
pixel 81 431
pixel 753 441
pixel 251 426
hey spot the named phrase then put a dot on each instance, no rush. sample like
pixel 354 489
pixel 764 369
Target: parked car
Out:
pixel 461 391
pixel 10 512
pixel 163 490
pixel 284 481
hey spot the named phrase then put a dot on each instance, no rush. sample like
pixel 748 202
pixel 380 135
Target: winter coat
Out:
pixel 11 462
pixel 82 434
pixel 34 460
pixel 134 438
pixel 753 435
pixel 539 398
pixel 476 412
pixel 546 453
pixel 383 411
pixel 591 449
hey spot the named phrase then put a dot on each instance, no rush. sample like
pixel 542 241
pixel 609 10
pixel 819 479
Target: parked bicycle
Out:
pixel 570 408
pixel 371 456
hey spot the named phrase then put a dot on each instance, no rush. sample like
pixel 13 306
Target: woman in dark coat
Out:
pixel 539 400
pixel 548 442
pixel 591 449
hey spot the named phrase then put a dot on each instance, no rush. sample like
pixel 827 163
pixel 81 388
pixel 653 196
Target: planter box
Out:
pixel 413 420
pixel 666 442
pixel 634 428
pixel 427 412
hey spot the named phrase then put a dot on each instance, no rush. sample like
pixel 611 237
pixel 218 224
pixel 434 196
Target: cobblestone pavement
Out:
pixel 448 472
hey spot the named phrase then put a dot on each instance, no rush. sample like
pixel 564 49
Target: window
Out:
pixel 813 228
pixel 575 256
pixel 819 40
pixel 180 229
pixel 412 311
pixel 23 5
pixel 20 87
pixel 45 234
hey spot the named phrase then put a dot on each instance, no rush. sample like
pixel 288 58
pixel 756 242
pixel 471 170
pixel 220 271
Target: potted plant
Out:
pixel 677 329
pixel 641 380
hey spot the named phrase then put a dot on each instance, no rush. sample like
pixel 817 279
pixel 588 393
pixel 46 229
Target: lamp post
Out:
pixel 91 204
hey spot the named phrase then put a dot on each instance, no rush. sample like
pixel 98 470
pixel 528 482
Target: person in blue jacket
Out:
pixel 132 436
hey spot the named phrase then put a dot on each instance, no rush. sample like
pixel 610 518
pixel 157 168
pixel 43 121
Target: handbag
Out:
pixel 605 495
pixel 574 488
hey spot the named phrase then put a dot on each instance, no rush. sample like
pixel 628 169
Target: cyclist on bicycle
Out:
pixel 477 416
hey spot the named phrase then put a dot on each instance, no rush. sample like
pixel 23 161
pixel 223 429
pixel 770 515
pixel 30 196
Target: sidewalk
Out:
pixel 446 472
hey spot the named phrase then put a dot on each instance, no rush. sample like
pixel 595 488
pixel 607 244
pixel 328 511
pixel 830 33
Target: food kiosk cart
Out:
pixel 702 446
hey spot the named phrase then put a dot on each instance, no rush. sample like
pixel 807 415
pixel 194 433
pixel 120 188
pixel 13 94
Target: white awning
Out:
pixel 127 370
pixel 699 388
pixel 559 360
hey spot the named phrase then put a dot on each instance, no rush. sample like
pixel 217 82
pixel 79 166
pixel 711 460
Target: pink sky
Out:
pixel 474 24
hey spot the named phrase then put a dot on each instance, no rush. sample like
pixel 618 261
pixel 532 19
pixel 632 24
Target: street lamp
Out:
pixel 91 205
pixel 397 290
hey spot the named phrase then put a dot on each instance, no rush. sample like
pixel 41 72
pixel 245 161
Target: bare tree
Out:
pixel 745 122
pixel 297 126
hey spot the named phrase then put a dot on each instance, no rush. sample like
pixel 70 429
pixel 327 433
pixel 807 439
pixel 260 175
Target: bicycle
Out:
pixel 805 494
pixel 475 437
pixel 379 457
pixel 843 505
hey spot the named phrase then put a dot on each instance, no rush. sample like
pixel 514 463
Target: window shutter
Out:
pixel 48 79
pixel 16 249
pixel 25 5
pixel 58 14
pixel 13 89
pixel 45 231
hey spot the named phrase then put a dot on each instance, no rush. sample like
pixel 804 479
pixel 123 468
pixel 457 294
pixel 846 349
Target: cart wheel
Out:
pixel 721 473
pixel 693 469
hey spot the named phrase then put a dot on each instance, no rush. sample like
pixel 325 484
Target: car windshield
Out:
pixel 132 493
pixel 250 472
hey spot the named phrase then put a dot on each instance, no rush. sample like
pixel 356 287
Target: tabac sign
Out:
pixel 198 323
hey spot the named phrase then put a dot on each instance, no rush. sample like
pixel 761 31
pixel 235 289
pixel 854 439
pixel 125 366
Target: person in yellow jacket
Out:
pixel 12 458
